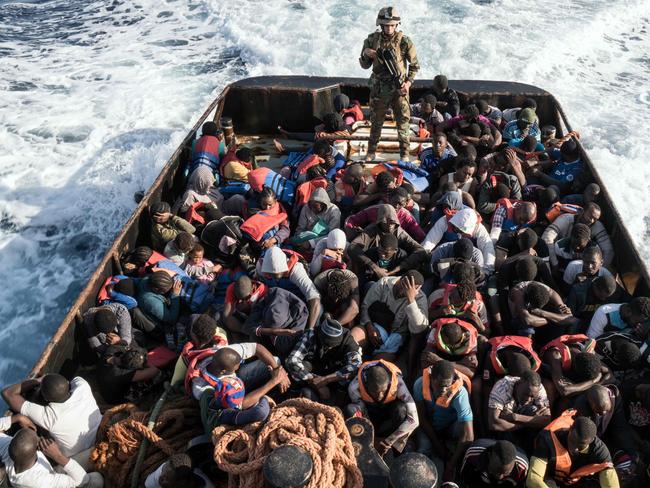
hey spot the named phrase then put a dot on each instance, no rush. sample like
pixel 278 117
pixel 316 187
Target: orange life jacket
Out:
pixel 304 191
pixel 558 209
pixel 193 357
pixel 257 225
pixel 394 170
pixel 467 307
pixel 354 110
pixel 309 162
pixel 437 326
pixel 562 458
pixel 103 291
pixel 192 215
pixel 509 222
pixel 445 400
pixel 524 344
pixel 155 257
pixel 562 343
pixel 395 373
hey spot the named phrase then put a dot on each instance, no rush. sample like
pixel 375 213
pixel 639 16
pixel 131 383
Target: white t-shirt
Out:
pixel 599 321
pixel 574 268
pixel 245 349
pixel 73 424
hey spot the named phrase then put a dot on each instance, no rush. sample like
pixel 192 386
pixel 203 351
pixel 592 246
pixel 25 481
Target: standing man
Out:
pixel 384 50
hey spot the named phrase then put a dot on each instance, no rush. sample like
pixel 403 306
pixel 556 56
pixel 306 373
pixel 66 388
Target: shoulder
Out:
pixel 600 452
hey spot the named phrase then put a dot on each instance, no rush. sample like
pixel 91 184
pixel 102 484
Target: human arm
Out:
pixel 434 236
pixel 536 473
pixel 410 225
pixel 295 360
pixel 563 385
pixel 498 217
pixel 146 374
pixel 74 474
pixel 14 395
pixel 398 437
pixel 427 427
pixel 608 478
pixel 279 378
pixel 124 328
pixel 182 224
pixel 367 54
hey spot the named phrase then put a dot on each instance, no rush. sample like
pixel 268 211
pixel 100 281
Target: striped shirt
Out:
pixel 474 469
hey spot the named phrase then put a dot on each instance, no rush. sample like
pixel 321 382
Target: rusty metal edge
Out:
pixel 116 247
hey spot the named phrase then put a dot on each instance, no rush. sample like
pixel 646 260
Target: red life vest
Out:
pixel 304 191
pixel 444 302
pixel 445 400
pixel 206 151
pixel 345 193
pixel 229 157
pixel 470 346
pixel 155 257
pixel 558 209
pixel 509 223
pixel 561 457
pixel 257 225
pixel 193 357
pixel 524 344
pixel 392 169
pixel 103 291
pixel 562 343
pixel 354 110
pixel 395 373
pixel 309 162
pixel 193 216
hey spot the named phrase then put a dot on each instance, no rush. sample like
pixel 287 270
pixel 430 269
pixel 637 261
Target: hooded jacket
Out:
pixel 331 216
pixel 371 235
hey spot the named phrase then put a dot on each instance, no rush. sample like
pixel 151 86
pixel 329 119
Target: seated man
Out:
pixel 437 159
pixel 498 185
pixel 587 296
pixel 574 367
pixel 284 269
pixel 526 124
pixel 568 450
pixel 464 223
pixel 587 268
pixel 445 256
pixel 518 407
pixel 571 248
pixel 489 111
pixel 316 220
pixel 166 226
pixel 454 340
pixel 236 164
pixel 445 415
pixel 26 458
pixel 562 225
pixel 241 296
pixel 350 188
pixel 124 375
pixel 508 218
pixel 490 463
pixel 379 393
pixel 159 298
pixel 463 176
pixel 66 409
pixel 276 320
pixel 566 169
pixel 619 316
pixel 386 259
pixel 329 354
pixel 425 112
pixel 107 325
pixel 339 290
pixel 447 98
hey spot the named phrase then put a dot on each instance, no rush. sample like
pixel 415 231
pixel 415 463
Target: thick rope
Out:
pixel 317 429
pixel 119 438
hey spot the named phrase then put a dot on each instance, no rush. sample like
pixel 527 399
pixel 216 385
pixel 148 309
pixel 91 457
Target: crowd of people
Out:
pixel 466 305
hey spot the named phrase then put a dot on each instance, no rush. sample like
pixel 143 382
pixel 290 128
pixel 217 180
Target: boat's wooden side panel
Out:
pixel 258 105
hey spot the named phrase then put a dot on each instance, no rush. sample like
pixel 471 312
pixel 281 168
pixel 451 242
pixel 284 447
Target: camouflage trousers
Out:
pixel 384 95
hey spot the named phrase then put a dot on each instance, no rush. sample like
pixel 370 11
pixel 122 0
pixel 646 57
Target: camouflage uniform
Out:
pixel 383 90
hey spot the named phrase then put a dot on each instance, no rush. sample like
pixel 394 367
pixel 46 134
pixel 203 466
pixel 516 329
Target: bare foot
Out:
pixel 278 146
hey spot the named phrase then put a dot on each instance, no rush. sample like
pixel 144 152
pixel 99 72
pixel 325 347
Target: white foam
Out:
pixel 105 102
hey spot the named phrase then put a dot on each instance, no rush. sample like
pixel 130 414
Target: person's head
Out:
pixel 134 359
pixel 353 174
pixel 592 260
pixel 203 330
pixel 526 119
pixel 399 198
pixel 184 242
pixel 244 154
pixel 526 239
pixel 323 149
pixel 105 320
pixel 581 434
pixel 525 213
pixel 243 288
pixel 463 249
pixel 388 246
pixel 452 334
pixel 338 287
pixel 55 388
pixel 465 170
pixel 463 272
pixel 528 144
pixel 160 282
pixel 315 204
pixel 275 262
pixel 501 190
pixel 537 295
pixel 548 196
pixel 636 312
pixel 333 122
pixel 336 240
pixel 585 366
pixel 428 105
pixel 603 287
pixel 440 85
pixel 471 113
pixel 528 387
pixel 599 399
pixel 517 363
pixel 439 143
pixel 225 361
pixel 589 214
pixel 591 192
pixel 125 286
pixel 501 458
pixel 380 313
pixel 526 268
pixel 160 212
pixel 209 128
pixel 267 198
pixel 529 103
pixel 579 238
pixel 140 255
pixel 385 181
pixel 570 151
pixel 177 472
pixel 315 172
pixel 376 379
pixel 442 377
pixel 196 254
pixel 23 447
pixel 387 219
pixel 467 152
pixel 329 332
pixel 483 107
pixel 341 102
pixel 410 276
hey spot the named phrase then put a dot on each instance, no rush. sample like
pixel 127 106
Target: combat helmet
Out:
pixel 388 16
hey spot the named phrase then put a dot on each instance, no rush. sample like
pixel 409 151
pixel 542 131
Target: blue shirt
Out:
pixel 459 409
pixel 566 172
pixel 516 142
pixel 511 131
pixel 430 161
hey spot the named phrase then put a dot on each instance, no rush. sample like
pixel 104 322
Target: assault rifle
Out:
pixel 386 56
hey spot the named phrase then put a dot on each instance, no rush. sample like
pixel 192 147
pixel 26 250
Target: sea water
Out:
pixel 95 96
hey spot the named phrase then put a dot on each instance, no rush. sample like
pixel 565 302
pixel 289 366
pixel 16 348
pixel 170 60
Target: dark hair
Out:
pixel 569 150
pixel 503 451
pixel 502 190
pixel 209 128
pixel 517 363
pixel 625 352
pixel 376 376
pixel 451 333
pixel 443 370
pixel 322 147
pixel 528 144
pixel 105 320
pixel 529 103
pixel 471 111
pixel 184 241
pixel 416 275
pixel 584 428
pixel 341 102
pixel 140 255
pixel 267 192
pixel 531 377
pixel 384 179
pixel 431 99
pixel 463 273
pixel 198 248
pixel 55 388
pixel 466 290
pixel 463 249
pixel 242 287
pixel 641 306
pixel 204 328
pixel 132 359
pixel 482 106
pixel 315 172
pixel 581 231
pixel 380 313
pixel 473 130
pixel 333 122
pixel 388 241
pixel 585 366
pixel 465 162
pixel 159 207
pixel 225 359
pixel 399 194
pixel 244 154
pixel 526 268
pixel 592 251
pixel 537 295
pixel 125 286
pixel 338 285
pixel 548 196
pixel 441 82
pixel 160 282
pixel 527 239
pixel 467 152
